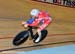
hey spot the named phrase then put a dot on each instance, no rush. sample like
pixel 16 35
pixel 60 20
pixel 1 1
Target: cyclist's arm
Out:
pixel 36 22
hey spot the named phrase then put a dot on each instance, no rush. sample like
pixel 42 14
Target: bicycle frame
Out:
pixel 30 32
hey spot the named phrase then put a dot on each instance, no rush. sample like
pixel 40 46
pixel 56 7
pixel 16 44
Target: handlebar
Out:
pixel 32 27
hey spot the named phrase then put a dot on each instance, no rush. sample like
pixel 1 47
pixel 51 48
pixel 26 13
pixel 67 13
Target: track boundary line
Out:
pixel 35 46
pixel 48 35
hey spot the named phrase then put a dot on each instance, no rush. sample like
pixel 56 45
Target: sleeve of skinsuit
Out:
pixel 30 21
pixel 36 22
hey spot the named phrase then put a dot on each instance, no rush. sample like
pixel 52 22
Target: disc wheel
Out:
pixel 43 36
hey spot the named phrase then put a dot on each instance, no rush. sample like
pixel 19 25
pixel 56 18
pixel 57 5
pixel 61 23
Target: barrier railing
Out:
pixel 67 3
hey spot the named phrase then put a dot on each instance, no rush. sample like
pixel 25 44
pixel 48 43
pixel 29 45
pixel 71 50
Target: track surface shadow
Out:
pixel 36 45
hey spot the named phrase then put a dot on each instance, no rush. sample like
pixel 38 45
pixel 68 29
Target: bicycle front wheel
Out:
pixel 20 38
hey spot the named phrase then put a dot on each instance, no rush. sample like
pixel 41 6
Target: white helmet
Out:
pixel 34 12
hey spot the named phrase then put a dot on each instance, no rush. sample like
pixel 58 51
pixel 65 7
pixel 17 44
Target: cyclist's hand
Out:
pixel 23 22
pixel 26 25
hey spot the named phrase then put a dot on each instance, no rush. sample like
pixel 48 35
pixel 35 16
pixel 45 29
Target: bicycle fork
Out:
pixel 31 32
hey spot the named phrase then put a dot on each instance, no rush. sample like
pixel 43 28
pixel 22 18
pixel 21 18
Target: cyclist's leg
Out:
pixel 42 27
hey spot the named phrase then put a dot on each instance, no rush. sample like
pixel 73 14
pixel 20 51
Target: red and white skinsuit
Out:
pixel 42 17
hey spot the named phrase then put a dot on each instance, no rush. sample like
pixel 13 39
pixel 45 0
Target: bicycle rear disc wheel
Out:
pixel 43 36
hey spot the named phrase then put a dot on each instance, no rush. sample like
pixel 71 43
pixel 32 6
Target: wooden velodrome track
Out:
pixel 12 12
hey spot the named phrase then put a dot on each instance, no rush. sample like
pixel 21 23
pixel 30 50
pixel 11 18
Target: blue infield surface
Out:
pixel 67 49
